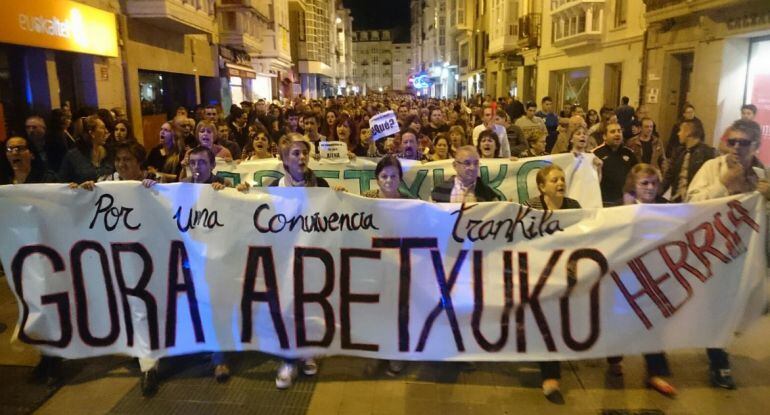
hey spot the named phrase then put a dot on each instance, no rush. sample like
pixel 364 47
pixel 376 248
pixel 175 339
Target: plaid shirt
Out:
pixel 461 193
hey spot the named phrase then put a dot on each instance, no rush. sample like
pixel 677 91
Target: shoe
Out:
pixel 616 369
pixel 659 384
pixel 395 367
pixel 722 378
pixel 552 392
pixel 55 375
pixel 39 372
pixel 285 376
pixel 150 382
pixel 309 367
pixel 221 373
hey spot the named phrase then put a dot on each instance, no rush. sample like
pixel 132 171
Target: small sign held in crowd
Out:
pixel 333 151
pixel 383 125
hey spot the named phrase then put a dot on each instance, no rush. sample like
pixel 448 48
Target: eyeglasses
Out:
pixel 16 149
pixel 468 163
pixel 731 142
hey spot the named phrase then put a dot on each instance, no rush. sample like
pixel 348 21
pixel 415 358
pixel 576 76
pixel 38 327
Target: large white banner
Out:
pixel 512 180
pixel 182 268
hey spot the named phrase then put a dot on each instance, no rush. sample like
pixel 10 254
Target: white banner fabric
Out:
pixel 182 268
pixel 513 180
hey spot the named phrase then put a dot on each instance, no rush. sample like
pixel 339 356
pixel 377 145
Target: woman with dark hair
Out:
pixel 553 188
pixel 488 145
pixel 123 131
pixel 346 131
pixel 389 174
pixel 88 160
pixel 59 140
pixel 443 149
pixel 328 123
pixel 592 118
pixel 129 159
pixel 22 164
pixel 259 146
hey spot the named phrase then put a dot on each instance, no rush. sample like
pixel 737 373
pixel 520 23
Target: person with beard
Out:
pixel 617 161
pixel 21 164
pixel 409 148
pixel 223 139
pixel 36 132
pixel 436 123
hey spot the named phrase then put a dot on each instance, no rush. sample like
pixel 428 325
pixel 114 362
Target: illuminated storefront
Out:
pixel 55 53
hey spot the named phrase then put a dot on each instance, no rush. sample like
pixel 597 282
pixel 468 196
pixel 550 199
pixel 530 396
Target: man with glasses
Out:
pixel 466 186
pixel 735 172
pixel 730 174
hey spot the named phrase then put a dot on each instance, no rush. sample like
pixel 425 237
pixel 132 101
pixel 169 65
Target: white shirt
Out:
pixel 502 138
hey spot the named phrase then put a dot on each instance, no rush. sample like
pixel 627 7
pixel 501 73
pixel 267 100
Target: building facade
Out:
pixel 402 65
pixel 503 47
pixel 712 54
pixel 273 63
pixel 312 30
pixel 373 50
pixel 344 61
pixel 591 52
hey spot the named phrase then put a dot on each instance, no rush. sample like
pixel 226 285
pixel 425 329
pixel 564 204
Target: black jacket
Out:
pixel 442 193
pixel 699 155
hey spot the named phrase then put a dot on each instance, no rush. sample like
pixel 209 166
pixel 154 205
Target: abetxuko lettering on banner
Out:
pixel 311 271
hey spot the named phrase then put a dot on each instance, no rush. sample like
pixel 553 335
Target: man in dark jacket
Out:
pixel 694 152
pixel 466 186
pixel 617 161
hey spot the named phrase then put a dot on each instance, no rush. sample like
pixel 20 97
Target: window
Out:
pixel 460 12
pixel 621 11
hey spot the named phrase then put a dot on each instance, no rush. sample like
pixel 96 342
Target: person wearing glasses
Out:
pixel 21 164
pixel 466 186
pixel 732 173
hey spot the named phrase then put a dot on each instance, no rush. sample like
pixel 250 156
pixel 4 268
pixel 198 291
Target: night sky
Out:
pixel 381 14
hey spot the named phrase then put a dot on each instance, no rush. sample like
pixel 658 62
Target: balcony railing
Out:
pixel 529 30
pixel 653 5
pixel 183 16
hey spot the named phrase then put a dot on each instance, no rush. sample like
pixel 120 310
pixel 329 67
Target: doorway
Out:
pixel 613 78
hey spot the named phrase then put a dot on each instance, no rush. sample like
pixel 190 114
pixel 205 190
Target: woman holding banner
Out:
pixel 294 150
pixel 642 185
pixel 553 187
pixel 389 176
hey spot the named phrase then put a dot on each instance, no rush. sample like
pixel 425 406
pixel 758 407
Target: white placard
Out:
pixel 333 151
pixel 383 125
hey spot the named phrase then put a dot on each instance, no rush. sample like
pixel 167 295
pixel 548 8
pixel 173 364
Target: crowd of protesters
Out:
pixel 634 164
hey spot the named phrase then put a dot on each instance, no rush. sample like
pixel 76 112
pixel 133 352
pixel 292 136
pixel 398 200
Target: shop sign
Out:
pixel 748 21
pixel 240 73
pixel 59 24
